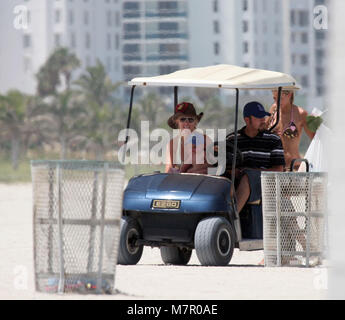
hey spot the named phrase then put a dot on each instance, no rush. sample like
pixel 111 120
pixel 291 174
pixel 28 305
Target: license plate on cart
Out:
pixel 166 204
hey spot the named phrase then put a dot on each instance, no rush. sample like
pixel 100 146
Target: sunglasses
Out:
pixel 190 120
pixel 284 92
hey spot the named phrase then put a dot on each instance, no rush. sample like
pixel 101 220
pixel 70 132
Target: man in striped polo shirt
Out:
pixel 261 151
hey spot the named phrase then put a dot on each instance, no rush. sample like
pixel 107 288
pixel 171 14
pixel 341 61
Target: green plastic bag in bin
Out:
pixel 314 122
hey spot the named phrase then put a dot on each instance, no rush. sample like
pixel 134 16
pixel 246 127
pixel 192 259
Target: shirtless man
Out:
pixel 293 120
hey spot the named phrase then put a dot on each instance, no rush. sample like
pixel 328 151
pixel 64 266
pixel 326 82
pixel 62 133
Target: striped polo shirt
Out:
pixel 260 152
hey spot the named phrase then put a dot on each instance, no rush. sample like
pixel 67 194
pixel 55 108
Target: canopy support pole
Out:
pixel 175 97
pixel 233 197
pixel 128 122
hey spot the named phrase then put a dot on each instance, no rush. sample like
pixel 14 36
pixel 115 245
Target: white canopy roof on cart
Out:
pixel 221 76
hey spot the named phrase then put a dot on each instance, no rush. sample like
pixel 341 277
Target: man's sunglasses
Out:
pixel 190 120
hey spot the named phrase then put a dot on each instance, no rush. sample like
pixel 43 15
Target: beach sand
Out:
pixel 150 279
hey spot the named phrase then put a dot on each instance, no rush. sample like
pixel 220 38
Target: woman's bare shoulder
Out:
pixel 302 113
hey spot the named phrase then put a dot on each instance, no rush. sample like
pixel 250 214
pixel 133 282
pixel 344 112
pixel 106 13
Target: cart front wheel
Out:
pixel 129 252
pixel 214 241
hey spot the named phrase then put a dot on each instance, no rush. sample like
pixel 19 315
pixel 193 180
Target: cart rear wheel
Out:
pixel 174 255
pixel 129 252
pixel 214 241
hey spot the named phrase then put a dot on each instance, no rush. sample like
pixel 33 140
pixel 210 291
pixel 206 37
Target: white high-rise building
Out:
pixel 30 30
pixel 154 37
pixel 267 34
pixel 151 37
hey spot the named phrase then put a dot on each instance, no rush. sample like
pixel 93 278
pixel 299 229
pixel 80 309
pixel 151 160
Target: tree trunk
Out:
pixel 62 148
pixel 15 147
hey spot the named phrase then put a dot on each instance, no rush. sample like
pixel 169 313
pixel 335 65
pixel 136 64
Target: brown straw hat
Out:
pixel 183 109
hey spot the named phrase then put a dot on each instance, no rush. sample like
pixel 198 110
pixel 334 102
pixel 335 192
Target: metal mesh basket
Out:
pixel 294 206
pixel 77 212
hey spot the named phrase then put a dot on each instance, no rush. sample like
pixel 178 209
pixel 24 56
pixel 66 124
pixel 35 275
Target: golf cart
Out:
pixel 182 212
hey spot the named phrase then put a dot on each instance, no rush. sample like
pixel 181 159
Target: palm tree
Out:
pixel 13 121
pixel 104 115
pixel 62 108
pixel 152 106
pixel 60 64
pixel 95 84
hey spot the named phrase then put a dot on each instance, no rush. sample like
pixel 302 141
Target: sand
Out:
pixel 150 279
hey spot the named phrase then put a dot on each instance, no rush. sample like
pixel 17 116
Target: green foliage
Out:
pixel 60 64
pixel 313 122
pixel 10 175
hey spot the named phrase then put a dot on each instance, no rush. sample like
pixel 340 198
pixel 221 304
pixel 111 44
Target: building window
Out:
pixel 304 59
pixel 116 63
pixel 319 91
pixel 165 5
pixel 319 71
pixel 132 71
pixel 276 6
pixel 168 26
pixel 216 26
pixel 108 64
pixel 117 42
pixel 131 30
pixel 319 56
pixel 292 17
pixel 215 6
pixel 304 37
pixel 293 59
pixel 108 41
pixel 245 5
pixel 73 41
pixel 293 37
pixel 276 28
pixel 166 69
pixel 57 16
pixel 27 64
pixel 87 41
pixel 71 17
pixel 57 40
pixel 303 18
pixel 216 48
pixel 319 35
pixel 304 81
pixel 245 26
pixel 117 19
pixel 27 41
pixel 131 48
pixel 86 18
pixel 245 47
pixel 277 47
pixel 264 27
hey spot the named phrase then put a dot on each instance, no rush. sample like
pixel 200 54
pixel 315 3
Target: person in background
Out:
pixel 292 121
pixel 261 150
pixel 186 152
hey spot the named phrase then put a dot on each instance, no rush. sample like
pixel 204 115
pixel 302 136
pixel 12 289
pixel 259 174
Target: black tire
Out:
pixel 129 253
pixel 214 241
pixel 176 256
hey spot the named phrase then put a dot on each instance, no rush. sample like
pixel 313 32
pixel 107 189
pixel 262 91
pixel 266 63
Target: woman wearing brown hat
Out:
pixel 186 151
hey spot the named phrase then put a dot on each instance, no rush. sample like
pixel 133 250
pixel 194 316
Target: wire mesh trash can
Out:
pixel 77 208
pixel 294 207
